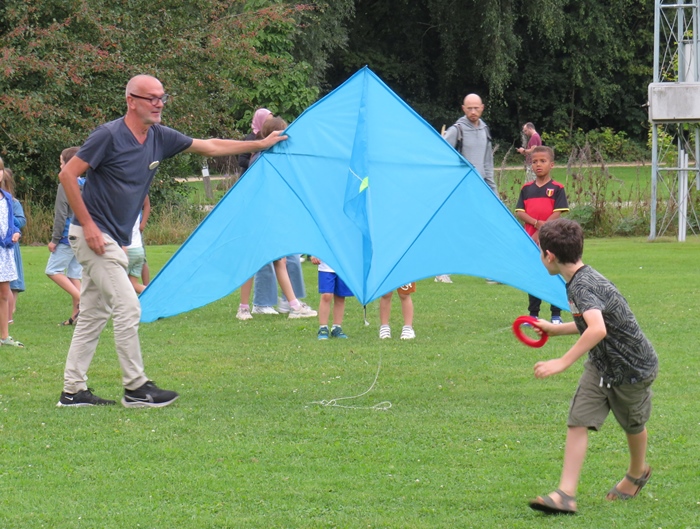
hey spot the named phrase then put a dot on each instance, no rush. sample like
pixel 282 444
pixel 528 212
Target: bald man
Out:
pixel 476 139
pixel 121 158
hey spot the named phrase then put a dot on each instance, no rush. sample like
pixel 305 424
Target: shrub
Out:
pixel 39 223
pixel 613 146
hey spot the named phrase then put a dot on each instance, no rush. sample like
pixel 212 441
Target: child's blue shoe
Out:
pixel 323 333
pixel 337 332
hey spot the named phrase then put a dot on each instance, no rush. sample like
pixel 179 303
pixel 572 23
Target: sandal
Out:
pixel 616 494
pixel 70 321
pixel 547 505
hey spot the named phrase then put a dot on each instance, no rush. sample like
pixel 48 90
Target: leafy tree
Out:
pixel 65 65
pixel 564 64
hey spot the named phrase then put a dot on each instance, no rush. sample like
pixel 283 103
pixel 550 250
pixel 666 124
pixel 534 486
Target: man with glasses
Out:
pixel 121 158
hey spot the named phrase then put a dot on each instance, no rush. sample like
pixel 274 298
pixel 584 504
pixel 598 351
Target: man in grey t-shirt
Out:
pixel 121 158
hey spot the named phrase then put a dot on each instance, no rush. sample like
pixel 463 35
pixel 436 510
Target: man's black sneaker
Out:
pixel 148 396
pixel 83 398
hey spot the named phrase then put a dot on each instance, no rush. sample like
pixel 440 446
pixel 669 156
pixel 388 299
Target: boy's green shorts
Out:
pixel 630 403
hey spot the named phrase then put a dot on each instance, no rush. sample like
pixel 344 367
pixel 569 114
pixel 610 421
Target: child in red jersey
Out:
pixel 540 201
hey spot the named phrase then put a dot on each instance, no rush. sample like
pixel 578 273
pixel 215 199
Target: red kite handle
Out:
pixel 519 322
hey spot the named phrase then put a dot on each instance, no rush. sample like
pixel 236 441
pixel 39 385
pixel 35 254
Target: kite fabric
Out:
pixel 368 186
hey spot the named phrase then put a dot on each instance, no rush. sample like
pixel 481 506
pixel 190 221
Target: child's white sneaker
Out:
pixel 244 314
pixel 259 309
pixel 283 306
pixel 304 311
pixel 384 332
pixel 407 333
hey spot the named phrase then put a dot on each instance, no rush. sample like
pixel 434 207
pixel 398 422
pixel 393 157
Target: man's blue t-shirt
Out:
pixel 121 171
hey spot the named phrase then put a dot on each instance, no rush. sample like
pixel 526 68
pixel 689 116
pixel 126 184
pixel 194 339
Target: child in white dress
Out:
pixel 9 235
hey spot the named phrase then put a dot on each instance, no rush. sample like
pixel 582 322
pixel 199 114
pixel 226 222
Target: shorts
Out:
pixel 137 257
pixel 591 404
pixel 62 260
pixel 330 283
pixel 409 288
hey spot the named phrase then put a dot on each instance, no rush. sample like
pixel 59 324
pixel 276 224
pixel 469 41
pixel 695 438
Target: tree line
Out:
pixel 563 64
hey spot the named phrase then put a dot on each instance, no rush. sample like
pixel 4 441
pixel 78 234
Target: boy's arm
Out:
pixel 20 220
pixel 145 213
pixel 61 211
pixel 525 217
pixel 594 333
pixel 561 329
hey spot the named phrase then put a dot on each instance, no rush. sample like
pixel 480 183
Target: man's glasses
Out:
pixel 154 100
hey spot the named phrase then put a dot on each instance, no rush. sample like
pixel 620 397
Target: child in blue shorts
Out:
pixel 63 268
pixel 331 288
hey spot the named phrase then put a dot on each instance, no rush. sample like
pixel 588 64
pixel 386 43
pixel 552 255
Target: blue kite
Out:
pixel 367 185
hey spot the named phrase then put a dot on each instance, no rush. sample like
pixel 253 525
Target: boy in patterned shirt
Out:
pixel 617 376
pixel 540 201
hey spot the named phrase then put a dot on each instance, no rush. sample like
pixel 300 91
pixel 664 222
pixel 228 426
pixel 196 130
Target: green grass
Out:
pixel 469 438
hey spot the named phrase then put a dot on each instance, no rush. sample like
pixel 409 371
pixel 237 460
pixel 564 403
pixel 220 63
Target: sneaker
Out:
pixel 407 333
pixel 148 396
pixel 304 311
pixel 492 282
pixel 384 332
pixel 82 398
pixel 323 333
pixel 283 306
pixel 556 320
pixel 259 309
pixel 337 332
pixel 244 314
pixel 11 341
pixel 444 278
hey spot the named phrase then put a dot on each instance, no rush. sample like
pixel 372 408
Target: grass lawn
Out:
pixel 470 435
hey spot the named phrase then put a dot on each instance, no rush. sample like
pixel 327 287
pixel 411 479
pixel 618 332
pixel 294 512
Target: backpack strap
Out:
pixel 460 136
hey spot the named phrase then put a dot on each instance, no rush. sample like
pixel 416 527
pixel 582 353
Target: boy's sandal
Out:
pixel 616 494
pixel 70 321
pixel 547 505
pixel 11 342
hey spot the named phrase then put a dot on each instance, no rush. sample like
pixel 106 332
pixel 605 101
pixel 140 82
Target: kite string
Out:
pixel 385 405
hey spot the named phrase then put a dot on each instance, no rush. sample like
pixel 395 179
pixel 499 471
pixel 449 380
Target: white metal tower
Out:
pixel 674 113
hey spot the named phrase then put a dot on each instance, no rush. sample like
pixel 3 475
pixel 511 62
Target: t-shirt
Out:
pixel 625 355
pixel 120 173
pixel 323 267
pixel 541 202
pixel 534 141
pixel 136 239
